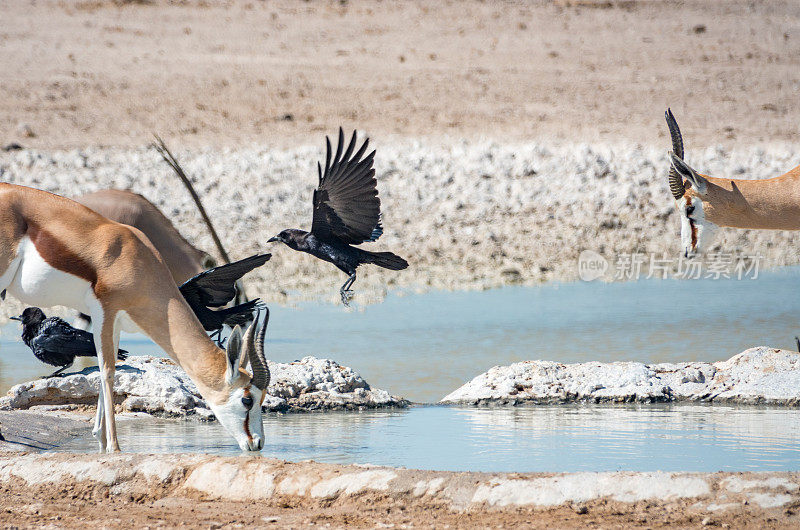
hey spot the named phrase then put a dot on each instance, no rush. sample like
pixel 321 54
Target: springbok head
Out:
pixel 237 405
pixel 689 189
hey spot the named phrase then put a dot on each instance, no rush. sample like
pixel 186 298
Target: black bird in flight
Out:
pixel 54 342
pixel 217 287
pixel 347 211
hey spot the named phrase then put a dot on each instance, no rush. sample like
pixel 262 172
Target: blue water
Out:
pixel 423 346
pixel 543 438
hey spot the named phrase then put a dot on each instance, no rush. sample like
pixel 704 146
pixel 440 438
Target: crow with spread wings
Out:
pixel 216 288
pixel 347 211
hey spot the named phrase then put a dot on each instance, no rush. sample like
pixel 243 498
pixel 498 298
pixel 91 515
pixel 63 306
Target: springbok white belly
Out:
pixel 39 284
pixel 32 281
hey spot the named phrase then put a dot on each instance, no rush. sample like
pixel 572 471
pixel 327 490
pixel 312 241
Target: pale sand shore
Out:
pixel 87 491
pixel 466 214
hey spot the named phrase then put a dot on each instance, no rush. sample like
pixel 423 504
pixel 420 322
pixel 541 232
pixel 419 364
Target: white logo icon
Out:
pixel 591 265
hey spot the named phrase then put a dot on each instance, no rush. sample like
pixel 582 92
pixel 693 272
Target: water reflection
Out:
pixel 546 438
pixel 424 346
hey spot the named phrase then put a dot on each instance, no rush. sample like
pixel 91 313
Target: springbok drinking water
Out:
pixel 54 251
pixel 706 203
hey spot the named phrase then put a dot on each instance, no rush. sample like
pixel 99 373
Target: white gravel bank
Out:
pixel 465 214
pixel 158 386
pixel 263 479
pixel 756 376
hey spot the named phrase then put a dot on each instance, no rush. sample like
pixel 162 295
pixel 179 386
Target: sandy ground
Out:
pixel 59 508
pixel 226 72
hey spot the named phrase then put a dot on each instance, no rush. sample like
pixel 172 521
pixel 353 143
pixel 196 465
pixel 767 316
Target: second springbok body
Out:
pixel 182 259
pixel 54 251
pixel 706 203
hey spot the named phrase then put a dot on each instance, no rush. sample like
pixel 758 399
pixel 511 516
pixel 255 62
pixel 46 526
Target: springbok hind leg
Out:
pixel 106 341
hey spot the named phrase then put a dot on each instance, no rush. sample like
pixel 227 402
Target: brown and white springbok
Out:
pixel 56 252
pixel 706 203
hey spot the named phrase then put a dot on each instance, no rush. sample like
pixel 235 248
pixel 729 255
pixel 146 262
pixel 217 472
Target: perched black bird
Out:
pixel 215 288
pixel 55 342
pixel 347 211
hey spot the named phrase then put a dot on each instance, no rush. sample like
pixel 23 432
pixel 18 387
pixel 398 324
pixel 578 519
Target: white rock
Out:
pixel 159 386
pixel 758 375
pixel 353 483
pixel 455 206
pixel 583 487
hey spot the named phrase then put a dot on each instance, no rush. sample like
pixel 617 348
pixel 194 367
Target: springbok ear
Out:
pixel 208 262
pixel 234 354
pixel 698 182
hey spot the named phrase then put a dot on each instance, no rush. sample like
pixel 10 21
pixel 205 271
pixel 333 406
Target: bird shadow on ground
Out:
pixel 92 369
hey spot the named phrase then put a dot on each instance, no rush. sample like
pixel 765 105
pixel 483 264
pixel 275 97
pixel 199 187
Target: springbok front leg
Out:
pixel 106 342
pixel 99 430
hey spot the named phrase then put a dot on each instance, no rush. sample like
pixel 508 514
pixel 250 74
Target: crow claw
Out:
pixel 347 295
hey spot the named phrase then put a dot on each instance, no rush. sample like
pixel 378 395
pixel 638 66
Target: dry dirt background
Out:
pixel 281 72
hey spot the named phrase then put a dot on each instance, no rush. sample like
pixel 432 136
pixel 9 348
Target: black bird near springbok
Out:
pixel 54 342
pixel 347 211
pixel 217 287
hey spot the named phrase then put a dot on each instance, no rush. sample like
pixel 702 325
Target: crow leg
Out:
pixel 58 373
pixel 345 291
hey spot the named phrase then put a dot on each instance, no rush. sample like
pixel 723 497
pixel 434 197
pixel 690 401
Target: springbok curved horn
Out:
pixel 675 181
pixel 258 361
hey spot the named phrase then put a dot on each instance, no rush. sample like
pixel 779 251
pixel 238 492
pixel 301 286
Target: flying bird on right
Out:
pixel 347 211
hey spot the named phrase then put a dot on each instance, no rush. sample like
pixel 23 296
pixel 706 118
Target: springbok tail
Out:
pixel 165 153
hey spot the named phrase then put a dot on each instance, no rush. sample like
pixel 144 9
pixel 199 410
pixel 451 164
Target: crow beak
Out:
pixel 18 319
pixel 272 240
